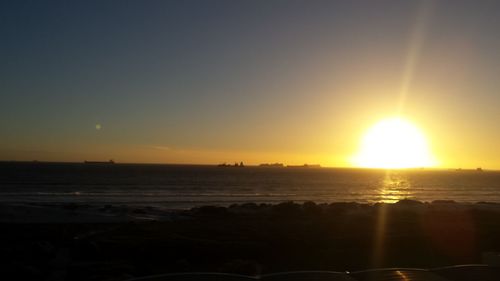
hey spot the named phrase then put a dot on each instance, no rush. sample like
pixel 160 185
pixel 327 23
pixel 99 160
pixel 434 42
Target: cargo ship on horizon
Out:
pixel 99 162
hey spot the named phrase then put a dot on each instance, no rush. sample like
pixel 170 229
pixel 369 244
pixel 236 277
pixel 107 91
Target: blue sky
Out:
pixel 213 81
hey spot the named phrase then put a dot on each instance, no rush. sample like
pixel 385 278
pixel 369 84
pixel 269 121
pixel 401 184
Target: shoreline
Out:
pixel 35 212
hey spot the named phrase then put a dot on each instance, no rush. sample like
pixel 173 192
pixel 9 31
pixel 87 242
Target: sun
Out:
pixel 394 143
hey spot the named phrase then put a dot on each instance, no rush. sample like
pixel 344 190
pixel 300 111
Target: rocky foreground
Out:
pixel 81 242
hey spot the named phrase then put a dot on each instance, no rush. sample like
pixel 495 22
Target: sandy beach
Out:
pixel 85 242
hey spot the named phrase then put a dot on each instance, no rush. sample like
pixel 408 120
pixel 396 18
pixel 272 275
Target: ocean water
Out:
pixel 184 186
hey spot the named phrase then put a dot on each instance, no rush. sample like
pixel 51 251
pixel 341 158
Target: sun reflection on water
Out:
pixel 394 187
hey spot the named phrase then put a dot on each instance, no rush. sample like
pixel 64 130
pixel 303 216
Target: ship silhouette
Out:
pixel 240 165
pixel 99 162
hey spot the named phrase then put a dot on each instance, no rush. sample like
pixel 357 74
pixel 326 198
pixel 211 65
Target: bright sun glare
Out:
pixel 394 143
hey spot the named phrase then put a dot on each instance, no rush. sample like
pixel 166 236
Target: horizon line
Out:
pixel 251 165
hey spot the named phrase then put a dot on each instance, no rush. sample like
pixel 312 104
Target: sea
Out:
pixel 186 186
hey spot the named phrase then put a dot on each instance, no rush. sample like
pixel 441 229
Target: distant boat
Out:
pixel 278 165
pixel 469 170
pixel 240 165
pixel 305 166
pixel 99 162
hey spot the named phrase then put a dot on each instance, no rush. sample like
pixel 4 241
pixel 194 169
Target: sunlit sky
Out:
pixel 253 81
